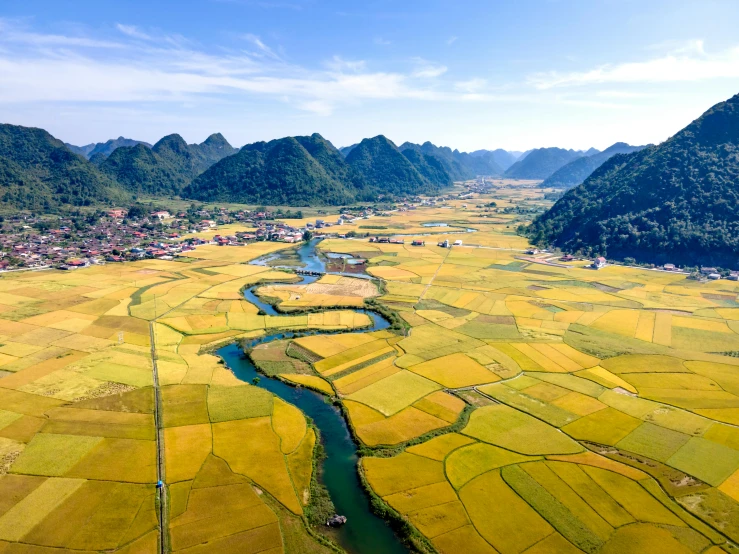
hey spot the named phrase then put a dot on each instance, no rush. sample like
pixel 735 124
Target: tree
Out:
pixel 137 211
pixel 307 235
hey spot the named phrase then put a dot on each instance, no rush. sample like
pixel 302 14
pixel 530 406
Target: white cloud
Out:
pixel 427 70
pixel 690 62
pixel 382 42
pixel 132 31
pixel 12 32
pixel 471 86
pixel 263 48
pixel 451 40
pixel 340 65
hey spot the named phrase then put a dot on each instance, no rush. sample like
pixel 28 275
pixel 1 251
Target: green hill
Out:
pixel 167 167
pixel 279 172
pixel 103 148
pixel 579 169
pixel 503 158
pixel 430 167
pixel 541 163
pixel 459 165
pixel 38 172
pixel 385 169
pixel 676 202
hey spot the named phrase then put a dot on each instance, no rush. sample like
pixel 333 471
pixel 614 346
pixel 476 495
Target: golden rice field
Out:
pixel 605 402
pixel 78 451
pixel 531 406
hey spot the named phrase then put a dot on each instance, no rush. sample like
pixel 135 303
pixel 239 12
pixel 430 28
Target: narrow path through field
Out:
pixel 449 251
pixel 161 476
pixel 163 497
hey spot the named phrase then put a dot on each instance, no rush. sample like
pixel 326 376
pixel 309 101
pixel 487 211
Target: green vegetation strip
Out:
pixel 551 509
pixel 361 365
pixel 294 350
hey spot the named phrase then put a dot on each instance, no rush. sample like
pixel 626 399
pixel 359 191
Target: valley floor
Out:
pixel 527 405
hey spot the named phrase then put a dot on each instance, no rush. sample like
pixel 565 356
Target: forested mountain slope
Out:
pixel 579 169
pixel 676 202
pixel 541 163
pixel 38 172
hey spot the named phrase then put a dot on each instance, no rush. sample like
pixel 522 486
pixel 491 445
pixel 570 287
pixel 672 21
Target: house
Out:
pixel 161 215
pixel 458 242
pixel 669 267
pixel 733 276
pixel 532 251
pixel 444 244
pixel 567 258
pixel 708 270
pixel 418 243
pixel 599 263
pixel 714 276
pixel 117 213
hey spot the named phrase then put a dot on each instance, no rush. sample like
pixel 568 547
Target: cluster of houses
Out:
pixel 29 242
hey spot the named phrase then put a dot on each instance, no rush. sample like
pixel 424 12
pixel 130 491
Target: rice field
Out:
pixel 597 408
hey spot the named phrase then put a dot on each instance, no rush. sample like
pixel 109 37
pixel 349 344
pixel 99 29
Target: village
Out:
pixel 28 242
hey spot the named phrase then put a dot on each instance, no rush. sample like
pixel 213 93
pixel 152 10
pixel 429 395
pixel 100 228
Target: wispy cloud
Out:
pixel 261 47
pixel 471 86
pixel 427 70
pixel 12 32
pixel 340 65
pixel 148 68
pixel 132 31
pixel 689 62
pixel 382 42
pixel 451 40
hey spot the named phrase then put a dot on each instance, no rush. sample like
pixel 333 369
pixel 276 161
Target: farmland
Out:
pixel 598 408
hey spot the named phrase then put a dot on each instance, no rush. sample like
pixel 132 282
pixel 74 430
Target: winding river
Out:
pixel 364 532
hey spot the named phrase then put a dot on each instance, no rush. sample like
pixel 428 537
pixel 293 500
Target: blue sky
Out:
pixel 467 74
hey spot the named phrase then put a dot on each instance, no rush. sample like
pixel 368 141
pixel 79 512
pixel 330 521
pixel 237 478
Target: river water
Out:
pixel 364 532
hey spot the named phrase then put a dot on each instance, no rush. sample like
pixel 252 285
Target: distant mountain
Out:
pixel 385 169
pixel 460 165
pixel 293 171
pixel 503 158
pixel 520 155
pixel 541 163
pixel 167 167
pixel 429 167
pixel 104 148
pixel 346 149
pixel 590 152
pixel 38 172
pixel 578 170
pixel 676 202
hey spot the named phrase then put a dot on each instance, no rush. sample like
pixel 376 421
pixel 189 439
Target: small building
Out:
pixel 708 270
pixel 599 263
pixel 532 251
pixel 567 258
pixel 161 215
pixel 714 276
pixel 117 213
pixel 669 267
pixel 444 244
pixel 418 243
pixel 458 242
pixel 733 276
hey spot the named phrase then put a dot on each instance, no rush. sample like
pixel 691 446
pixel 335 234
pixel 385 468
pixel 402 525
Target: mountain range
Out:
pixel 38 172
pixel 542 162
pixel 575 172
pixel 309 170
pixel 165 168
pixel 103 148
pixel 676 202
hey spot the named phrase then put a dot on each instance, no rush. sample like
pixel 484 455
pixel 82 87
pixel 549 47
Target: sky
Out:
pixel 467 74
